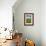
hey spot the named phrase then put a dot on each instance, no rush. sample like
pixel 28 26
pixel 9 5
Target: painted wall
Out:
pixel 6 13
pixel 29 32
pixel 43 22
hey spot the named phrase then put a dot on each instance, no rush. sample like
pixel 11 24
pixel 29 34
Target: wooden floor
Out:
pixel 9 43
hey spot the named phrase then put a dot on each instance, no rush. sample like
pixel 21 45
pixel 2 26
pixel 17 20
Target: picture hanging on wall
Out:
pixel 28 19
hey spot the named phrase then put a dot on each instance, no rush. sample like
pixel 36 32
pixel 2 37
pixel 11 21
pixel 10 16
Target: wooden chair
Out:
pixel 18 39
pixel 29 43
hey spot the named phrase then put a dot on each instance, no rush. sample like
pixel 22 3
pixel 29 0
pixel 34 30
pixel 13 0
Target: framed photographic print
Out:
pixel 28 19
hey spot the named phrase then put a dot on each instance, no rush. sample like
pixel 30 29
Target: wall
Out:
pixel 29 32
pixel 6 13
pixel 43 22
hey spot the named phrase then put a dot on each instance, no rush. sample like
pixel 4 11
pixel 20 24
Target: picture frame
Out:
pixel 28 19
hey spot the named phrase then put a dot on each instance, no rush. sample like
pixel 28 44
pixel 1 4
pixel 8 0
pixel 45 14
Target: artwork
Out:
pixel 28 19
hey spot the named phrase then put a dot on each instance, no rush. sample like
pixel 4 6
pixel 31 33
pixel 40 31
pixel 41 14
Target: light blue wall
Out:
pixel 43 22
pixel 29 32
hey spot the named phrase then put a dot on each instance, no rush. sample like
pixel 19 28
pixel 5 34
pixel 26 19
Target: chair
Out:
pixel 29 43
pixel 18 39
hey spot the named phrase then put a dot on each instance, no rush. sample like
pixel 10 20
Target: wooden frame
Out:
pixel 28 19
